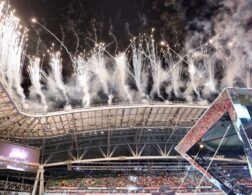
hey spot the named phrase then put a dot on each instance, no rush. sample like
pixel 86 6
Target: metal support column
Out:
pixel 6 183
pixel 36 183
pixel 41 181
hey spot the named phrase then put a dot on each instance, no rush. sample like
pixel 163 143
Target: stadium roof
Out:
pixel 16 123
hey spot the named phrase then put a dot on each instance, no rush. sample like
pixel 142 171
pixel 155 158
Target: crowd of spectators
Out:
pixel 117 180
pixel 143 182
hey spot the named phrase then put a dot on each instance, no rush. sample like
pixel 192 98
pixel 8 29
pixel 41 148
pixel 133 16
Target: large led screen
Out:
pixel 17 157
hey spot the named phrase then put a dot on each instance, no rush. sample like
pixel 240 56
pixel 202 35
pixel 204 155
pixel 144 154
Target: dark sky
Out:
pixel 121 18
pixel 107 21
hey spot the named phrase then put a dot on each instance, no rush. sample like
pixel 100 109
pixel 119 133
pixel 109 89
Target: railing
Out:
pixel 9 185
pixel 139 103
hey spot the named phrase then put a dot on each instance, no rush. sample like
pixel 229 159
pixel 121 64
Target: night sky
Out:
pixel 109 21
pixel 111 18
pixel 212 37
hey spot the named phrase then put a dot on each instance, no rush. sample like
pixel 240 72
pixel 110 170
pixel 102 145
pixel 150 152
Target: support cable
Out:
pixel 201 180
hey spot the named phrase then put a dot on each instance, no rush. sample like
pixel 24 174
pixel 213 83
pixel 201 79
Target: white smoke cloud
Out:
pixel 233 40
pixel 100 77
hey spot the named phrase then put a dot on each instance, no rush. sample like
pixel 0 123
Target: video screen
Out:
pixel 17 157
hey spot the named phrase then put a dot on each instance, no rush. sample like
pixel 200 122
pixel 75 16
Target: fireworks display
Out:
pixel 146 71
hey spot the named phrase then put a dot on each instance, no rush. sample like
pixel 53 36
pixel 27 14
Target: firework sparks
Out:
pixel 156 70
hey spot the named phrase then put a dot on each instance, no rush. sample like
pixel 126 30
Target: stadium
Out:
pixel 117 149
pixel 144 121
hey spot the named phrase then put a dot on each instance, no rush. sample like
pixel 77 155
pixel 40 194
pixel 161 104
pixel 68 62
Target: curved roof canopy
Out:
pixel 16 123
